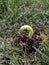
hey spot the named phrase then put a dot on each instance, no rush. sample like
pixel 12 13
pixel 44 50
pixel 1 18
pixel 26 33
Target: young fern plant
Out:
pixel 28 28
pixel 31 39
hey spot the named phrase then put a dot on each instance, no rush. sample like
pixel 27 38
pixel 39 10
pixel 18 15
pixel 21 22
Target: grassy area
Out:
pixel 14 14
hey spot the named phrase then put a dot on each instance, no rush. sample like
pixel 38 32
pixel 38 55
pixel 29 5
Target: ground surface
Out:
pixel 14 14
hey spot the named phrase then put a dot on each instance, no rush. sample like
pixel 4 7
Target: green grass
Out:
pixel 14 14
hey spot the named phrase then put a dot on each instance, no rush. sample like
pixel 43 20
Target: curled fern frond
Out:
pixel 28 28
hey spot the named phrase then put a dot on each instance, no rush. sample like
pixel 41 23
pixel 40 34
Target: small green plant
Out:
pixel 27 28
